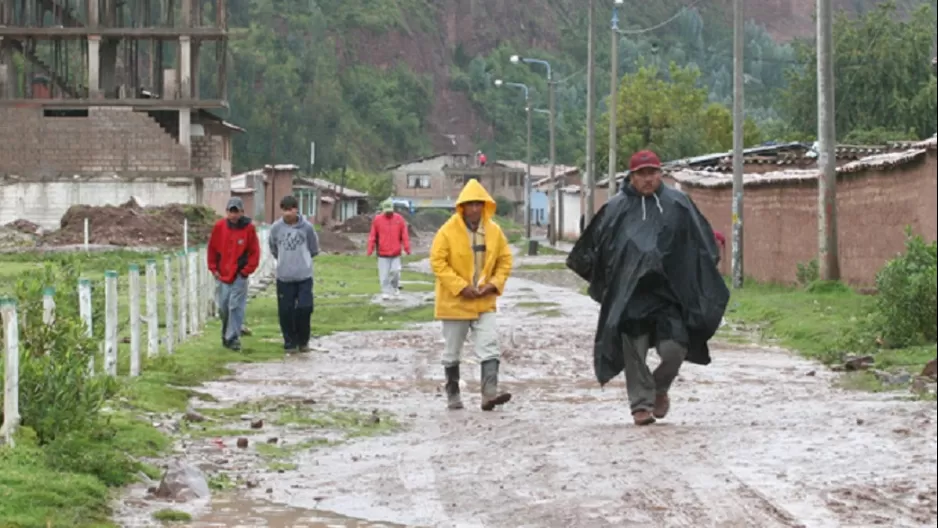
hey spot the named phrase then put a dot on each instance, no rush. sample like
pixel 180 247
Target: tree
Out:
pixel 883 82
pixel 671 116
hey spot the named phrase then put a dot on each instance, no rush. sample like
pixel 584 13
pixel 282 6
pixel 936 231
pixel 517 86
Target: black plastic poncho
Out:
pixel 652 264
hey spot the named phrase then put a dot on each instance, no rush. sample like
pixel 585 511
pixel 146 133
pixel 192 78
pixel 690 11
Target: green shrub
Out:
pixel 57 396
pixel 808 272
pixel 906 305
pixel 503 206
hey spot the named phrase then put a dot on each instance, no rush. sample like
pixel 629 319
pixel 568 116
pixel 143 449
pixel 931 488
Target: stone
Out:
pixel 182 483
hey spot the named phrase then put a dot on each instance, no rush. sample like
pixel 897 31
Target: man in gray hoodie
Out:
pixel 294 243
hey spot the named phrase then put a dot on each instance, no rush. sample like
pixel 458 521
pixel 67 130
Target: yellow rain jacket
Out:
pixel 452 259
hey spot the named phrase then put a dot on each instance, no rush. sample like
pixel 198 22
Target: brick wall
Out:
pixel 279 184
pixel 109 139
pixel 874 206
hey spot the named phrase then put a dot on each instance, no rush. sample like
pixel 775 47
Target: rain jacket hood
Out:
pixel 475 192
pixel 452 260
pixel 651 261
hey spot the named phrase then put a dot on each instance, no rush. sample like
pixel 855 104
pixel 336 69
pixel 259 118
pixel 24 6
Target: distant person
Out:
pixel 389 238
pixel 721 242
pixel 233 255
pixel 481 157
pixel 471 259
pixel 650 258
pixel 294 243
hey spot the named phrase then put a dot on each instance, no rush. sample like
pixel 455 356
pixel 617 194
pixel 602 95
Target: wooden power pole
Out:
pixel 828 254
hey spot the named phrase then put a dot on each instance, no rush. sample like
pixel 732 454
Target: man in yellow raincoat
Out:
pixel 471 259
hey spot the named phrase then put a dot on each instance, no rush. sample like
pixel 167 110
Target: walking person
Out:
pixel 471 259
pixel 389 238
pixel 233 255
pixel 650 258
pixel 294 244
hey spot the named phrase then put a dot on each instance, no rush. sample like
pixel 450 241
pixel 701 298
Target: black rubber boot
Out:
pixel 453 400
pixel 491 398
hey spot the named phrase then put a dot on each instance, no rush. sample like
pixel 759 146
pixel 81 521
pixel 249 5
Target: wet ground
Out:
pixel 759 438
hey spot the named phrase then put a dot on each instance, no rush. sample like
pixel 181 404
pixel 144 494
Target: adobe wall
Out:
pixel 874 207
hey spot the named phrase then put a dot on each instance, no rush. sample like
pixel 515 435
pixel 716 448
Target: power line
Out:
pixel 662 24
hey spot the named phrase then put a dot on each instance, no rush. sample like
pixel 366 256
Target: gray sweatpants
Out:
pixel 641 384
pixel 485 331
pixel 232 301
pixel 389 273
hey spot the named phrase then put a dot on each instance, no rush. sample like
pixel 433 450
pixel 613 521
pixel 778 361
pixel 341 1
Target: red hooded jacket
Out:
pixel 233 249
pixel 389 234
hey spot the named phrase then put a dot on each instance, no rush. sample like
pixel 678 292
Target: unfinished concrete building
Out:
pixel 101 100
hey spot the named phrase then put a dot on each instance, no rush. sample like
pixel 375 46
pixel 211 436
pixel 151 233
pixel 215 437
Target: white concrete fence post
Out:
pixel 182 298
pixel 48 306
pixel 168 299
pixel 153 317
pixel 193 281
pixel 110 323
pixel 11 381
pixel 134 298
pixel 86 310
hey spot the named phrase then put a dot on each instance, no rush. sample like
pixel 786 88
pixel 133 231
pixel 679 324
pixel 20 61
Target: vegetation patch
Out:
pixel 171 516
pixel 84 436
pixel 831 322
pixel 550 266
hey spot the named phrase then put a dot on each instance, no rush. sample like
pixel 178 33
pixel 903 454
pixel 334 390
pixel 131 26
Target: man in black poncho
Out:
pixel 650 258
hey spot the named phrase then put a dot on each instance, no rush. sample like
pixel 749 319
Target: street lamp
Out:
pixel 527 177
pixel 558 225
pixel 613 91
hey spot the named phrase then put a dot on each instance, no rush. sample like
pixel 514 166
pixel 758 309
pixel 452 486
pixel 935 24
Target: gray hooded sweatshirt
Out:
pixel 294 247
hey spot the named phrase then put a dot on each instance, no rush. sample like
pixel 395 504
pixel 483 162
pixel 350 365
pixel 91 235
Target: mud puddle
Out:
pixel 238 512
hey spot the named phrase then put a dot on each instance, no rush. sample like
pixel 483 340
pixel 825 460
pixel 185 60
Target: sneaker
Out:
pixel 233 345
pixel 305 349
pixel 290 349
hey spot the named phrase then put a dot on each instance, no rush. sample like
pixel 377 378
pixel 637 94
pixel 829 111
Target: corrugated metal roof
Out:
pixel 319 183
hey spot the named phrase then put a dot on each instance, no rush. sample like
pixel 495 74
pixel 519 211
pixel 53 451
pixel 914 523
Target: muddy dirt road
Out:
pixel 758 439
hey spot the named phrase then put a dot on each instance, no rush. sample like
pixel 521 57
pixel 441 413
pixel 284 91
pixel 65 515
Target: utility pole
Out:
pixel 527 177
pixel 739 28
pixel 828 254
pixel 614 95
pixel 555 205
pixel 590 118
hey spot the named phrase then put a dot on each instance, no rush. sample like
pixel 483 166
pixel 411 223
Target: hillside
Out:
pixel 374 81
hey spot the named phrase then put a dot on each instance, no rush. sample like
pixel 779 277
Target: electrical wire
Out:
pixel 660 25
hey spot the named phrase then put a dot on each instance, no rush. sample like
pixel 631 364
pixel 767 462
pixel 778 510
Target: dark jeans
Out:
pixel 295 308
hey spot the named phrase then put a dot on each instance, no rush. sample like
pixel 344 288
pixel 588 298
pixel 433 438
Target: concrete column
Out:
pixel 185 87
pixel 94 67
pixel 185 67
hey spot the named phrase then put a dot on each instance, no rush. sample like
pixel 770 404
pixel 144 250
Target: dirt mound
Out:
pixel 333 242
pixel 25 226
pixel 357 224
pixel 132 225
pixel 428 221
pixel 12 239
pixel 361 225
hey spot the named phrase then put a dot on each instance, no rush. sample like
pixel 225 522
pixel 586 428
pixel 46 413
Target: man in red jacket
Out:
pixel 389 236
pixel 233 255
